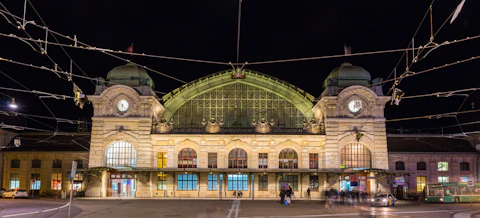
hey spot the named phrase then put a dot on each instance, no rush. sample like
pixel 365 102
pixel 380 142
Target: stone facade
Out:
pixel 25 169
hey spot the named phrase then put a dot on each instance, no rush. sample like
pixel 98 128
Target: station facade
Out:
pixel 236 130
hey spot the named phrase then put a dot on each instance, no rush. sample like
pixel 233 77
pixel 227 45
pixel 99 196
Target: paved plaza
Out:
pixel 230 208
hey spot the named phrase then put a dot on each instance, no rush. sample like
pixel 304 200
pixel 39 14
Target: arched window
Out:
pixel 15 163
pixel 36 163
pixel 121 154
pixel 464 166
pixel 237 158
pixel 355 155
pixel 288 159
pixel 187 158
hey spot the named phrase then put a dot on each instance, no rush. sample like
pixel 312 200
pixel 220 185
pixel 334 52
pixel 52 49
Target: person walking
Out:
pixel 282 195
pixel 308 194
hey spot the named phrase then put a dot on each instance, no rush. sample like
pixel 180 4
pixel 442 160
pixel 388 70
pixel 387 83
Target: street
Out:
pixel 233 208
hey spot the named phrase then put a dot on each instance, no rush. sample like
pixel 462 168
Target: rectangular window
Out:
pixel 442 166
pixel 14 180
pixel 36 163
pixel 79 164
pixel 263 182
pixel 57 164
pixel 442 179
pixel 291 181
pixel 421 182
pixel 464 166
pixel 15 163
pixel 237 182
pixel 314 183
pixel 463 179
pixel 263 160
pixel 187 182
pixel 212 160
pixel 212 182
pixel 399 165
pixel 162 160
pixel 421 166
pixel 161 181
pixel 56 181
pixel 313 160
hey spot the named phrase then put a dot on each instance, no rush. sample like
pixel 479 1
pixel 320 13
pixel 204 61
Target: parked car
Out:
pixel 385 199
pixel 15 193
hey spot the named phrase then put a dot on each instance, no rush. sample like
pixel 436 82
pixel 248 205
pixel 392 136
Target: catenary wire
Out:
pixel 54 37
pixel 432 116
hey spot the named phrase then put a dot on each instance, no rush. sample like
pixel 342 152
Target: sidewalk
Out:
pixel 467 214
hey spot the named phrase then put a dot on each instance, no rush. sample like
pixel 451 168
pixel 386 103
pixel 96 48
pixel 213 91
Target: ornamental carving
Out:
pixel 289 144
pixel 125 136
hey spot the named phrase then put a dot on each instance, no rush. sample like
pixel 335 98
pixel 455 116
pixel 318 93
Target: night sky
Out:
pixel 270 30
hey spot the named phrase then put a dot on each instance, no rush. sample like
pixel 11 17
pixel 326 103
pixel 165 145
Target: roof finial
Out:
pixel 347 50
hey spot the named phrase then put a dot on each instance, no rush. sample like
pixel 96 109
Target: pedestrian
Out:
pixel 308 194
pixel 282 195
pixel 289 195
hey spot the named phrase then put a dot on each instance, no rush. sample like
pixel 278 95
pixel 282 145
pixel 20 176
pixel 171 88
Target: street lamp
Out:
pixel 12 104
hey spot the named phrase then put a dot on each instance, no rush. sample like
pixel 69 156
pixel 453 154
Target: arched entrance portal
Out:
pixel 357 157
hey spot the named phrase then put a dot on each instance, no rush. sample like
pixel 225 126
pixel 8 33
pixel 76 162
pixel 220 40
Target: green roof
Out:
pixel 347 75
pixel 129 75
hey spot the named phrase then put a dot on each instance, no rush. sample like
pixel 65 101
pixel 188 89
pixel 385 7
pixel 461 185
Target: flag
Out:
pixel 130 49
pixel 347 49
pixel 457 11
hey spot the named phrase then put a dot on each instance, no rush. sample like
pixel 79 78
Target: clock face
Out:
pixel 122 105
pixel 355 105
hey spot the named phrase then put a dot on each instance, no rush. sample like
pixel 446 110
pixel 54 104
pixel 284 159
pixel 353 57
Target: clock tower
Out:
pixel 125 107
pixel 352 112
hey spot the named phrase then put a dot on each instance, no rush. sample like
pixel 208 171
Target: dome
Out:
pixel 129 75
pixel 347 75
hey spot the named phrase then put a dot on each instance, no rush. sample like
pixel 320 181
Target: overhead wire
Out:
pixel 433 115
pixel 102 51
pixel 428 70
pixel 61 72
pixel 54 37
pixel 441 94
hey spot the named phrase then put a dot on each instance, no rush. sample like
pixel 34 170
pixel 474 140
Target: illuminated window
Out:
pixel 35 185
pixel 161 181
pixel 421 182
pixel 77 180
pixel 355 155
pixel 399 165
pixel 213 181
pixel 464 166
pixel 288 159
pixel 14 180
pixel 57 164
pixel 121 154
pixel 314 183
pixel 313 160
pixel 421 166
pixel 56 181
pixel 187 182
pixel 442 166
pixel 463 179
pixel 263 182
pixel 237 182
pixel 15 163
pixel 237 158
pixel 262 160
pixel 442 179
pixel 187 158
pixel 289 180
pixel 36 163
pixel 212 160
pixel 162 160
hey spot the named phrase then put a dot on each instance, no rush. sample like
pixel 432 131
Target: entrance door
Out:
pixel 121 185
